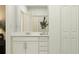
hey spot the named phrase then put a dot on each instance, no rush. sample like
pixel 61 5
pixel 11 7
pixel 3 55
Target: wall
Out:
pixel 10 25
pixel 54 29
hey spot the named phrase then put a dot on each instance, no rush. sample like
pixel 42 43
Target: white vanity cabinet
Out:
pixel 29 45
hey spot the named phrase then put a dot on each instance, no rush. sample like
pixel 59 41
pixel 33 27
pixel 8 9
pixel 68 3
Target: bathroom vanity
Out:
pixel 30 43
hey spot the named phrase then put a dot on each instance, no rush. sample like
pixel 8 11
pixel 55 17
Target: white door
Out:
pixel 22 45
pixel 18 47
pixel 25 47
pixel 32 47
pixel 63 29
pixel 69 29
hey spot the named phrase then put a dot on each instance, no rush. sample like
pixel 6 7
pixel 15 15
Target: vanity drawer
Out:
pixel 43 48
pixel 43 39
pixel 43 44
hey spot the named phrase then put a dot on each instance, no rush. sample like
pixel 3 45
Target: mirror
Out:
pixel 31 18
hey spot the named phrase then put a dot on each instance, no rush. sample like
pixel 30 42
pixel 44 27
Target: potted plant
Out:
pixel 44 24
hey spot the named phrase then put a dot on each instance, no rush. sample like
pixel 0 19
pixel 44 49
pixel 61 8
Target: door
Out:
pixel 32 47
pixel 69 29
pixel 25 47
pixel 18 47
pixel 22 45
pixel 63 29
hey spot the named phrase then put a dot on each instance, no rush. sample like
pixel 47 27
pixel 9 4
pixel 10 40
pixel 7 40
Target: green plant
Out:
pixel 44 23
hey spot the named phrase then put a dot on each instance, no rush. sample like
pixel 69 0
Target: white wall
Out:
pixel 54 29
pixel 10 25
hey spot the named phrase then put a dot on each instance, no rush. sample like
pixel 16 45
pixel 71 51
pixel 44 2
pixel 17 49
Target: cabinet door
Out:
pixel 32 47
pixel 69 29
pixel 24 45
pixel 18 47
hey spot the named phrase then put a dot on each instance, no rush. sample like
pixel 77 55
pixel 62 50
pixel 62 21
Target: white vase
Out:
pixel 44 32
